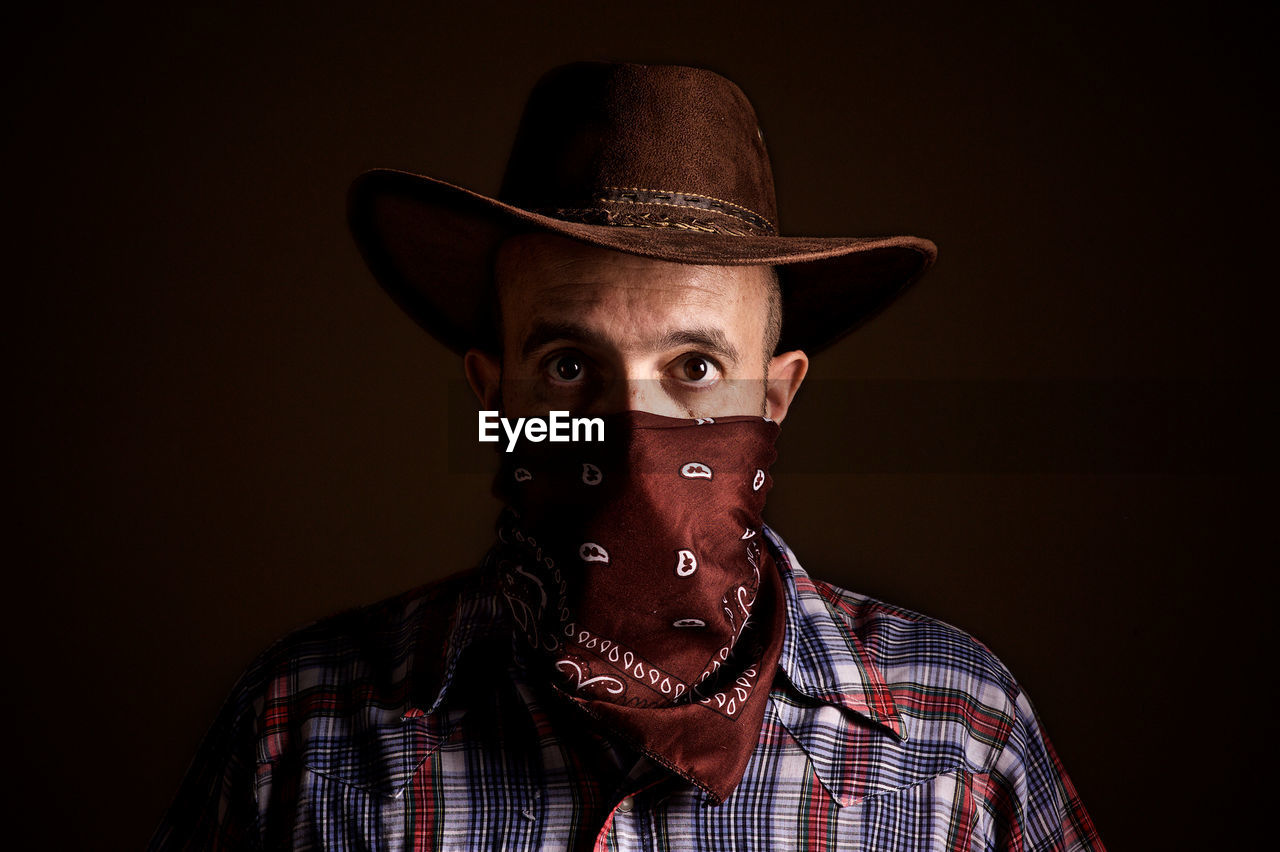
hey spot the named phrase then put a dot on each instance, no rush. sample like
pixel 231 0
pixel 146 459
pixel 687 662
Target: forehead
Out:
pixel 541 276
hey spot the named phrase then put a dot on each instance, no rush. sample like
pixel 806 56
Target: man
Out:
pixel 638 662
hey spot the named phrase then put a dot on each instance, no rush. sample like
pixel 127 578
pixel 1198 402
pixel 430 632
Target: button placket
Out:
pixel 625 833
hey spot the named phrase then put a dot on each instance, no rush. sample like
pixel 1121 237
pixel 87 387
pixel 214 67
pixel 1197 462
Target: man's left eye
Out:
pixel 696 368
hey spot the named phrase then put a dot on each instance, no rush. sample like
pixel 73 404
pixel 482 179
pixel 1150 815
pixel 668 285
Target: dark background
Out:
pixel 223 429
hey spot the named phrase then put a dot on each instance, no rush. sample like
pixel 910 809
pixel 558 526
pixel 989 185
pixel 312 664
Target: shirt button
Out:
pixel 626 805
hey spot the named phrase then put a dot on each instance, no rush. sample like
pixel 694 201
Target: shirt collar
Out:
pixel 481 617
pixel 825 663
pixel 822 656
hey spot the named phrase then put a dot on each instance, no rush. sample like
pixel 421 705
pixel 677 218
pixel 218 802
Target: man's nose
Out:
pixel 640 394
pixel 627 393
pixel 637 393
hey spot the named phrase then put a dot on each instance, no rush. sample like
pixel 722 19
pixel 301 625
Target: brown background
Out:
pixel 223 429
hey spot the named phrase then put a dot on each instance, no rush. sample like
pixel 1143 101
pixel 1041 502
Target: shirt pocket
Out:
pixel 354 781
pixel 941 812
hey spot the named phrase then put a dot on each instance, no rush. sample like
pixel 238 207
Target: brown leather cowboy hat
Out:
pixel 661 161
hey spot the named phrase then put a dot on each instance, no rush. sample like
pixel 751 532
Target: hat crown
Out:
pixel 644 145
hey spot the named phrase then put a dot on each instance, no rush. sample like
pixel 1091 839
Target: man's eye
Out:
pixel 698 369
pixel 567 368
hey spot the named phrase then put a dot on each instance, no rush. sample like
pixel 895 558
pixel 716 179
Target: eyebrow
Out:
pixel 711 340
pixel 544 332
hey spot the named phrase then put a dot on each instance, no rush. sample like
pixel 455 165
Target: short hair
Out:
pixel 773 322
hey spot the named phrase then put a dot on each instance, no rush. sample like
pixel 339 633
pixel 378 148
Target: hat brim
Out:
pixel 432 246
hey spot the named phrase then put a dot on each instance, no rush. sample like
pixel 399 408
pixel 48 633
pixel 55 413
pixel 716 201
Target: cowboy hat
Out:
pixel 666 162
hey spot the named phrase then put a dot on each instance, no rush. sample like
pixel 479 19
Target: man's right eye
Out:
pixel 566 368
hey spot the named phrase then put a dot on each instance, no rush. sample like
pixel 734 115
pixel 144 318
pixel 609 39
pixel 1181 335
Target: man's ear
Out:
pixel 484 374
pixel 786 372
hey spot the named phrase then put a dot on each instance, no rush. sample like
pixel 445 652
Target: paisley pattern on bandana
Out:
pixel 634 568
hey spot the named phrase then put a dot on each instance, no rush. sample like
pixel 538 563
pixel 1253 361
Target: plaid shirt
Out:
pixel 415 724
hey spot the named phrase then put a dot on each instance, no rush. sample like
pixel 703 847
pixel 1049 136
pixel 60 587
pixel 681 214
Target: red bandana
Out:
pixel 635 567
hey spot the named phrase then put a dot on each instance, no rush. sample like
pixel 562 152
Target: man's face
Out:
pixel 594 331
